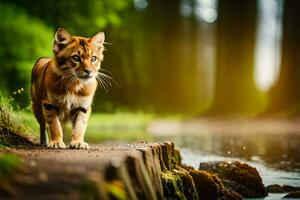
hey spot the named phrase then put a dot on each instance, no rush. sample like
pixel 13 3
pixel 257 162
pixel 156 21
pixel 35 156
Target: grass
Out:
pixel 9 117
pixel 12 129
pixel 119 126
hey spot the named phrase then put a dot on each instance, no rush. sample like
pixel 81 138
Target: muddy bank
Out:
pixel 120 171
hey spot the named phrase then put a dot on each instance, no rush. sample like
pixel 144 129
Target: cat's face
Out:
pixel 78 56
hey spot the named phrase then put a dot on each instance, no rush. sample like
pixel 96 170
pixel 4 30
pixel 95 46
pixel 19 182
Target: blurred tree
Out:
pixel 150 58
pixel 235 92
pixel 23 41
pixel 164 20
pixel 128 60
pixel 285 95
pixel 79 17
pixel 155 57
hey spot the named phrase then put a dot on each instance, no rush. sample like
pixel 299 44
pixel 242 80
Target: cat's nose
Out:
pixel 87 71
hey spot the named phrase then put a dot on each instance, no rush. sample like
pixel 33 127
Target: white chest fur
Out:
pixel 69 101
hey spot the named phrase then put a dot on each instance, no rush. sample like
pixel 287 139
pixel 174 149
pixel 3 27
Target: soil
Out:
pixel 9 138
pixel 62 173
pixel 110 171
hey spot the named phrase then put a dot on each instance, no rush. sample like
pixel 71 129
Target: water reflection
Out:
pixel 280 151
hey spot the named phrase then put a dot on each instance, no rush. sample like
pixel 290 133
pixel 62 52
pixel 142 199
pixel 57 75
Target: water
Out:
pixel 276 156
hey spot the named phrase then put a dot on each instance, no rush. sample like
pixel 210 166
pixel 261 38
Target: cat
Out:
pixel 63 87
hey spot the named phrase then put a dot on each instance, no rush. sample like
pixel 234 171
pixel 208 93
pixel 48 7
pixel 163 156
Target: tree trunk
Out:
pixel 285 95
pixel 235 92
pixel 165 21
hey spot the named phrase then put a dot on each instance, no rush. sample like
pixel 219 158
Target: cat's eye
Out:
pixel 93 59
pixel 76 58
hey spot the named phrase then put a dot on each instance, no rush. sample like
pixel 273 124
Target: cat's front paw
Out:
pixel 56 145
pixel 78 145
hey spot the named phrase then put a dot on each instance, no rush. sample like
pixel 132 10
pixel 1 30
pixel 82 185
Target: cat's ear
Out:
pixel 98 39
pixel 61 39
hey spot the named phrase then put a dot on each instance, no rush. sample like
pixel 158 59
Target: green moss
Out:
pixel 172 186
pixel 175 159
pixel 189 188
pixel 181 184
pixel 116 190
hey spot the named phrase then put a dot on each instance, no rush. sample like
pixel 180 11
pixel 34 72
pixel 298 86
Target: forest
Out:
pixel 203 101
pixel 181 56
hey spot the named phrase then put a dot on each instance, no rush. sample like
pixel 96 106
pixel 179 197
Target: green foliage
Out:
pixel 26 34
pixel 8 163
pixel 23 41
pixel 79 17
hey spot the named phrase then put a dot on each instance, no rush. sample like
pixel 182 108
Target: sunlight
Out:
pixel 206 10
pixel 203 10
pixel 268 43
pixel 140 5
pixel 186 9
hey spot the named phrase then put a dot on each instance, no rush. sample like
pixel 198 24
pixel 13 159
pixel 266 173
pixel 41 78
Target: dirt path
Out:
pixel 148 171
pixel 66 173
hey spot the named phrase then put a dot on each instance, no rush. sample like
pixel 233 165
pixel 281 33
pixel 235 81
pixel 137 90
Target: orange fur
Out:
pixel 63 87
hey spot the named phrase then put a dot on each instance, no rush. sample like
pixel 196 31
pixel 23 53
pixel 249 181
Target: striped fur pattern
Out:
pixel 63 87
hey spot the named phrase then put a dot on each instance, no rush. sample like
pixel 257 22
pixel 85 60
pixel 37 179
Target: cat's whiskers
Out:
pixel 102 83
pixel 105 70
pixel 108 78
